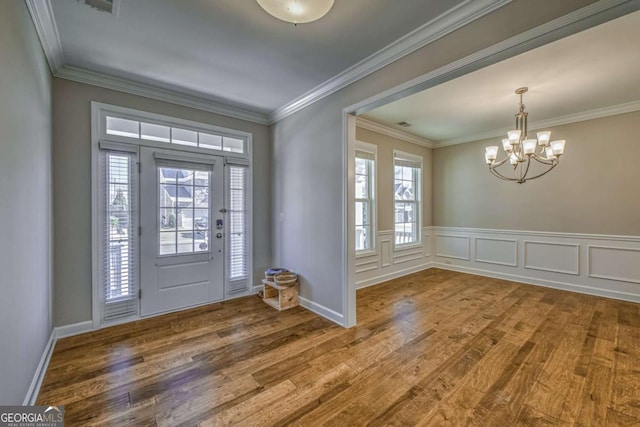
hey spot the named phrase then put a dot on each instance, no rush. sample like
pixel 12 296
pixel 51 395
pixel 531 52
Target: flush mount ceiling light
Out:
pixel 521 150
pixel 297 11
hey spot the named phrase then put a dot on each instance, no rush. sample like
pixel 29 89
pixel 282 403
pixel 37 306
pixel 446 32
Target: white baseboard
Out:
pixel 321 310
pixel 393 275
pixel 582 289
pixel 73 329
pixel 38 377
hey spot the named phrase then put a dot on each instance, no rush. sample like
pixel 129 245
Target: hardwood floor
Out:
pixel 433 348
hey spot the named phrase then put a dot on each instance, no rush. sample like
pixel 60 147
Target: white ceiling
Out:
pixel 575 77
pixel 231 51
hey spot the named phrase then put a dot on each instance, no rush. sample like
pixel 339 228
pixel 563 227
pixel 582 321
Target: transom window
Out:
pixel 172 135
pixel 407 203
pixel 365 196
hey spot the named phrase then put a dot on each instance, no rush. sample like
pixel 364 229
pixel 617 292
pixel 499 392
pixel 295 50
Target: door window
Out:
pixel 183 210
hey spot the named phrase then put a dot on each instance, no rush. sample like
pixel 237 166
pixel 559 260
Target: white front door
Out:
pixel 181 240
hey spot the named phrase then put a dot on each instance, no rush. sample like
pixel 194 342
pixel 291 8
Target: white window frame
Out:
pixel 232 283
pixel 115 148
pixel 99 112
pixel 373 197
pixel 402 155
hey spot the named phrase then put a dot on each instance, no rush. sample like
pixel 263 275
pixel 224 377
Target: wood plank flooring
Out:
pixel 433 348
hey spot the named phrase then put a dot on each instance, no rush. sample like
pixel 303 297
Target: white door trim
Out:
pixel 98 135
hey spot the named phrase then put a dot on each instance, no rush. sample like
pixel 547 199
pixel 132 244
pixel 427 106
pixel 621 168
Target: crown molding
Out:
pixel 393 133
pixel 596 113
pixel 571 23
pixel 42 16
pixel 433 30
pixel 157 93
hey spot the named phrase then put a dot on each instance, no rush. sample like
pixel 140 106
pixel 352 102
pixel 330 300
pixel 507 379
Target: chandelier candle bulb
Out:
pixel 529 146
pixel 543 138
pixel 558 147
pixel 549 153
pixel 514 136
pixel 492 152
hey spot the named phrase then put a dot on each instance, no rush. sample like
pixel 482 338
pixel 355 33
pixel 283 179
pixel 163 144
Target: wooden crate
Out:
pixel 280 297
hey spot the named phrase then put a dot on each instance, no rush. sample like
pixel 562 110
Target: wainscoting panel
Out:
pixel 614 263
pixel 384 238
pixel 389 262
pixel 555 257
pixel 496 251
pixel 601 265
pixel 426 239
pixel 451 246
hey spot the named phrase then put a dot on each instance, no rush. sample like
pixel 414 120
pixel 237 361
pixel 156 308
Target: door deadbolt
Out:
pixel 219 235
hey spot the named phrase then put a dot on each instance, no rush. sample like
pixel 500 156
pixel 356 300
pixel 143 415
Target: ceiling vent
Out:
pixel 110 6
pixel 403 124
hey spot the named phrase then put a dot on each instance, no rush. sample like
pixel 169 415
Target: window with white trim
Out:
pixel 237 224
pixel 407 198
pixel 120 237
pixel 365 196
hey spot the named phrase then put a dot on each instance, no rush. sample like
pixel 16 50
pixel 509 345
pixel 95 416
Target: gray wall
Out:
pixel 25 201
pixel 594 190
pixel 307 149
pixel 385 175
pixel 72 180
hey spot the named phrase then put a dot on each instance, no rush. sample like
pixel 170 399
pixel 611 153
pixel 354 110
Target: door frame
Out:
pixel 99 112
pixel 149 238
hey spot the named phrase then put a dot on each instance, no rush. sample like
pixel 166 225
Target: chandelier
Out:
pixel 297 11
pixel 521 150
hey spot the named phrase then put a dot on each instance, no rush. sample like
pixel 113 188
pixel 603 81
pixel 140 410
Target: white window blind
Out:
pixel 407 200
pixel 119 235
pixel 237 238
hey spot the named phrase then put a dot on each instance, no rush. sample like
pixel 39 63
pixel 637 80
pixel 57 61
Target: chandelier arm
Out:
pixel 545 161
pixel 543 173
pixel 499 175
pixel 500 163
pixel 523 177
